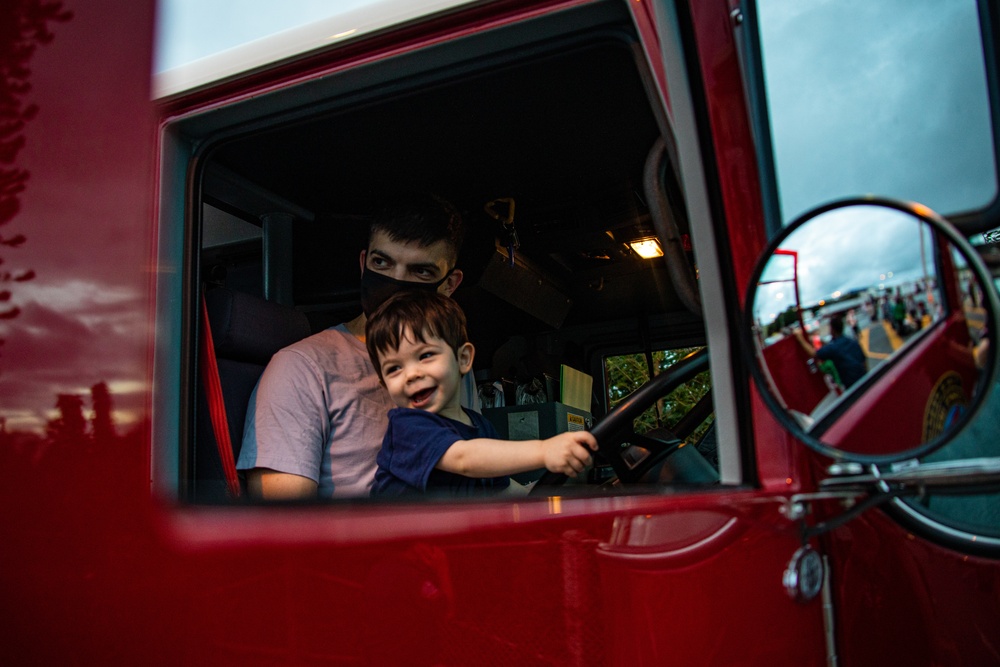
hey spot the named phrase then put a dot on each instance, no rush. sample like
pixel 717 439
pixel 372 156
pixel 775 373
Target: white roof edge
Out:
pixel 347 25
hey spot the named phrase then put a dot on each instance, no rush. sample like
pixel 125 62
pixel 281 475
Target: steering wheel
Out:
pixel 617 427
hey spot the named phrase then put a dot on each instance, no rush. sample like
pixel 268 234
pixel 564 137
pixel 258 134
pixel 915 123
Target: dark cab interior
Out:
pixel 558 118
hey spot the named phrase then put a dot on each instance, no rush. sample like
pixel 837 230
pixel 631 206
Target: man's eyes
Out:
pixel 423 273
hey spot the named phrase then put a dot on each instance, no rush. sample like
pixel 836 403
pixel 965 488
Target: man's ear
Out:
pixel 452 282
pixel 364 254
pixel 465 354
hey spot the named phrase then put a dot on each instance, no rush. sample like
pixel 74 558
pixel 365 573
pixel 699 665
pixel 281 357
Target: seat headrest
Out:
pixel 248 328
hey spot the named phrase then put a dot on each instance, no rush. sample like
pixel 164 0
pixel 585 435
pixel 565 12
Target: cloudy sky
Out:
pixel 846 250
pixel 885 98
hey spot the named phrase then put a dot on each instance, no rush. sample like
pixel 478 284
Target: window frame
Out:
pixel 188 136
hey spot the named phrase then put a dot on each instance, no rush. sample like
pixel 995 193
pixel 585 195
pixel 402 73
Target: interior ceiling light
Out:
pixel 647 248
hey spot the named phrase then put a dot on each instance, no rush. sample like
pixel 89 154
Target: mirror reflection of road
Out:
pixel 878 340
pixel 875 340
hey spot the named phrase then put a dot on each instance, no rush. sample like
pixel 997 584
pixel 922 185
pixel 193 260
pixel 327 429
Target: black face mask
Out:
pixel 376 288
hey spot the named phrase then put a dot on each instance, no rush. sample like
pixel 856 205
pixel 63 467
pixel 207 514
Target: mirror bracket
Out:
pixel 963 475
pixel 879 487
pixel 798 507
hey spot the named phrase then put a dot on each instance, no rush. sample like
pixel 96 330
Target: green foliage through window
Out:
pixel 626 373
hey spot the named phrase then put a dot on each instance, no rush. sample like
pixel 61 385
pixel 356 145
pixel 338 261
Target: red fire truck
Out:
pixel 751 502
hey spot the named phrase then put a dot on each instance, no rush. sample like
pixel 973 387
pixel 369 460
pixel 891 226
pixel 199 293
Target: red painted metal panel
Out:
pixel 786 363
pixel 75 372
pixel 779 458
pixel 94 569
pixel 903 600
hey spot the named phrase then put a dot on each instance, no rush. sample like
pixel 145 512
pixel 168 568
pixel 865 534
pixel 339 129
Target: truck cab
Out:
pixel 168 226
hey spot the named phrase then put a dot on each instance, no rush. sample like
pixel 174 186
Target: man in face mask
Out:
pixel 317 416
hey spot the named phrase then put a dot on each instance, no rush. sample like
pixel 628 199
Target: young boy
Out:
pixel 420 349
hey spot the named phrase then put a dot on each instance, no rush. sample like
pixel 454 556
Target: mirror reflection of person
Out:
pixel 852 321
pixel 843 351
pixel 899 316
pixel 317 416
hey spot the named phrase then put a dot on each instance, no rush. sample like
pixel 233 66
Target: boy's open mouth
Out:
pixel 421 396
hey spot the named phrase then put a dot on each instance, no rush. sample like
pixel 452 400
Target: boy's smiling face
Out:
pixel 426 375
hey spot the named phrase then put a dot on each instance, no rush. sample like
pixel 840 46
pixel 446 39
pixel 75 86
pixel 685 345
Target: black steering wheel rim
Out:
pixel 624 414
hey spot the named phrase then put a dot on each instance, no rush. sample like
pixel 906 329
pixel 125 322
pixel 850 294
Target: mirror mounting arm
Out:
pixel 961 476
pixel 970 476
pixel 873 500
pixel 796 507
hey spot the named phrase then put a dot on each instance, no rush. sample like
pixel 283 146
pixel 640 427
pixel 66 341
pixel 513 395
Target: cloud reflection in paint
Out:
pixel 82 155
pixel 73 325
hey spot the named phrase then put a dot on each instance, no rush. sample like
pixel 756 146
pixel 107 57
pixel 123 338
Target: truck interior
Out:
pixel 539 133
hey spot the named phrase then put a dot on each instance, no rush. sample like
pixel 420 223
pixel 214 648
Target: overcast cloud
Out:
pixel 885 98
pixel 843 251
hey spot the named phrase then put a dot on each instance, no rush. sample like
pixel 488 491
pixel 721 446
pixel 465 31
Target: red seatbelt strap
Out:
pixel 216 406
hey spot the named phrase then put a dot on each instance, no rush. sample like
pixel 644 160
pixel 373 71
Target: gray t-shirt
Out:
pixel 318 411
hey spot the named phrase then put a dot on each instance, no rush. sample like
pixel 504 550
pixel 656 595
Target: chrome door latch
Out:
pixel 804 575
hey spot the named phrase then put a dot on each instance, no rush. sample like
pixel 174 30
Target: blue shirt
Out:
pixel 847 357
pixel 415 441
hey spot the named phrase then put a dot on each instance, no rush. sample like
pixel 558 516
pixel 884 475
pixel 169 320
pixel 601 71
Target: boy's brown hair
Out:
pixel 420 311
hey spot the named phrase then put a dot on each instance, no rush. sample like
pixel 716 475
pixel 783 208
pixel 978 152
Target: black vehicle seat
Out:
pixel 247 331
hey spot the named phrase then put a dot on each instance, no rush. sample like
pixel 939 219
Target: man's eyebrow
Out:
pixel 380 253
pixel 422 265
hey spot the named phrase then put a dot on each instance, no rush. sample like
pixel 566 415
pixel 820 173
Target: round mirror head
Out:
pixel 868 325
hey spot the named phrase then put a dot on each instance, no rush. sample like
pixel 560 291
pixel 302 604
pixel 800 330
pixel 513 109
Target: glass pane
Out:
pixel 626 373
pixel 885 97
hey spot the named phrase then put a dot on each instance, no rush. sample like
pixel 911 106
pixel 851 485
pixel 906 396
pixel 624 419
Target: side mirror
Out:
pixel 867 325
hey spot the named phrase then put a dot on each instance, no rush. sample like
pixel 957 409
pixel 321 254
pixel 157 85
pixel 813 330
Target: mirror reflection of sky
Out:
pixel 859 248
pixel 886 98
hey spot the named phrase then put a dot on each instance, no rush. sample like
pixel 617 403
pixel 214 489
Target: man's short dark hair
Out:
pixel 424 313
pixel 424 219
pixel 837 325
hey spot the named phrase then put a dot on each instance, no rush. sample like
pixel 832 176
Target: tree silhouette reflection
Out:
pixel 24 25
